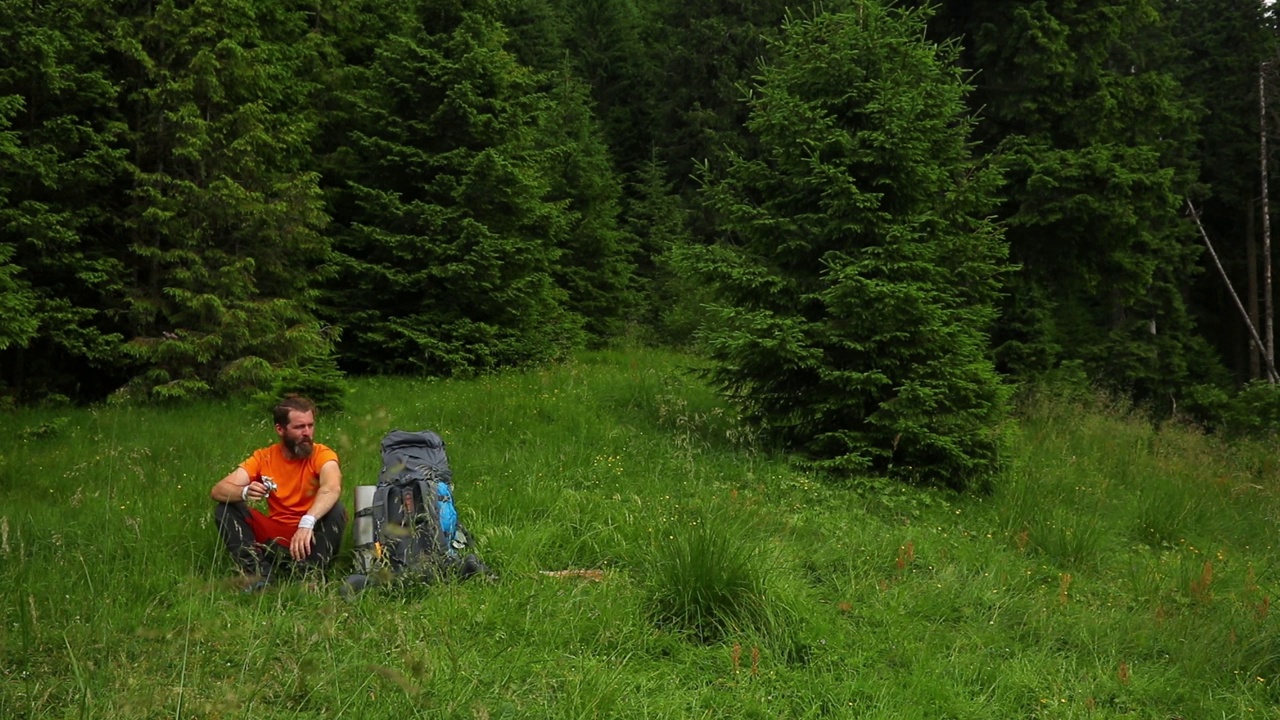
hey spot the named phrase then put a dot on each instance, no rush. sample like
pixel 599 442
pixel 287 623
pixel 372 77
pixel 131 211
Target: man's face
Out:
pixel 297 435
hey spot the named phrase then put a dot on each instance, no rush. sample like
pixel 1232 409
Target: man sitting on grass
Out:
pixel 301 483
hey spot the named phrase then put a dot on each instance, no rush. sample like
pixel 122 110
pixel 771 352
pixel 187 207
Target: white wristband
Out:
pixel 307 522
pixel 244 494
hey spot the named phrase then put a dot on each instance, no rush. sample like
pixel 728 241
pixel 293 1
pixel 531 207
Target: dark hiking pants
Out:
pixel 256 559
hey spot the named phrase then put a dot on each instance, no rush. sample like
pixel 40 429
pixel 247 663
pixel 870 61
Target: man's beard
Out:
pixel 300 449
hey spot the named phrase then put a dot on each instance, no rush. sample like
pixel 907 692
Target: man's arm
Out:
pixel 326 497
pixel 330 490
pixel 231 488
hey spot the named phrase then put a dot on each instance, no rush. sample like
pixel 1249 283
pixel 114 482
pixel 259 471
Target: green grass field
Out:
pixel 1117 571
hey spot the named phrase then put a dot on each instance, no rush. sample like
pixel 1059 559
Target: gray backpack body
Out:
pixel 416 531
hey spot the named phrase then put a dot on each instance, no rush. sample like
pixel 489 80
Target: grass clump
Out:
pixel 707 579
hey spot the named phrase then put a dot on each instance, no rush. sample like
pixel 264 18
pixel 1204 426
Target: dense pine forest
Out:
pixel 871 219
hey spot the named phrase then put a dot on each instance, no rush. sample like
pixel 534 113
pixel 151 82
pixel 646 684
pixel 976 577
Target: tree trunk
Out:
pixel 1269 334
pixel 1251 286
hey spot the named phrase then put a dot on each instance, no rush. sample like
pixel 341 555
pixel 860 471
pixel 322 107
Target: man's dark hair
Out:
pixel 288 404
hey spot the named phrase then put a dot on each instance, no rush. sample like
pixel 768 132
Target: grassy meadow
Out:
pixel 1117 570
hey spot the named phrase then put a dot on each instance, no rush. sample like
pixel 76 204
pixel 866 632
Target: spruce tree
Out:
pixel 704 53
pixel 669 305
pixel 61 193
pixel 225 214
pixel 17 303
pixel 1080 101
pixel 595 264
pixel 447 242
pixel 1223 44
pixel 615 51
pixel 18 322
pixel 856 272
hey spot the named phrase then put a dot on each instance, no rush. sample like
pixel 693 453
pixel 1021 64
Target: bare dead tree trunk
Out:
pixel 1251 285
pixel 1269 348
pixel 1272 376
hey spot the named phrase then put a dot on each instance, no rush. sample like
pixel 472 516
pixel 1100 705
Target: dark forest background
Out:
pixel 871 219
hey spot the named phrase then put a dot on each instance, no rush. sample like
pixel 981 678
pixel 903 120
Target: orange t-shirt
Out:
pixel 297 482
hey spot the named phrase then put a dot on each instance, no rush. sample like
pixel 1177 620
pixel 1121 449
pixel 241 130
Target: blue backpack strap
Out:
pixel 448 514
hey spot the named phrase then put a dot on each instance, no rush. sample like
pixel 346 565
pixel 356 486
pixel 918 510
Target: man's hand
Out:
pixel 239 487
pixel 300 545
pixel 254 491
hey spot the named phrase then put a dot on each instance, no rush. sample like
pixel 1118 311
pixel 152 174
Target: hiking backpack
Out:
pixel 416 531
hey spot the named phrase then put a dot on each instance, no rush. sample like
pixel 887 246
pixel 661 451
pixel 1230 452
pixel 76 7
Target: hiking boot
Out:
pixel 256 585
pixel 352 586
pixel 256 582
pixel 472 566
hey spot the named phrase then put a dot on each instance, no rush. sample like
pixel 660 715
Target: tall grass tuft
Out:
pixel 707 580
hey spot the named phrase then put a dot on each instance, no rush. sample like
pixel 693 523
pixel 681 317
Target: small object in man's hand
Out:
pixel 269 484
